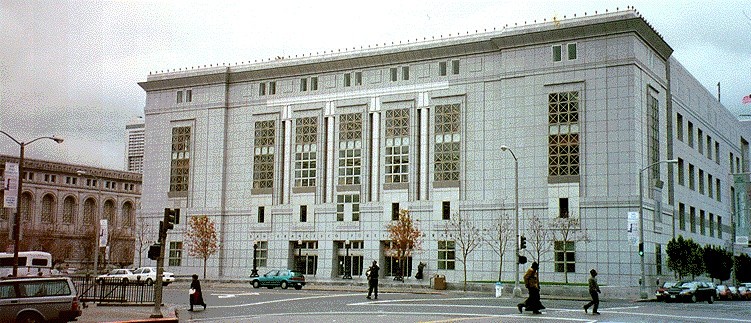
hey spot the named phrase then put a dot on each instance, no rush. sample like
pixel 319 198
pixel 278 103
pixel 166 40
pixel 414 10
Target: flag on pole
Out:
pixel 746 99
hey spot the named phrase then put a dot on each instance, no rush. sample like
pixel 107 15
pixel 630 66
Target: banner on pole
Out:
pixel 103 230
pixel 10 185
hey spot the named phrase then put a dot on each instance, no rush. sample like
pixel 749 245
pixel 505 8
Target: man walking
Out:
pixel 372 275
pixel 594 291
pixel 532 282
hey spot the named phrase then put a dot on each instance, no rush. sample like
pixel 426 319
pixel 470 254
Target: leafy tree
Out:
pixel 742 266
pixel 202 239
pixel 466 236
pixel 497 237
pixel 685 257
pixel 718 262
pixel 565 230
pixel 405 237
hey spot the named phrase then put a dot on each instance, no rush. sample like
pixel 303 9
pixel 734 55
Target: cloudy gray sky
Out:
pixel 70 68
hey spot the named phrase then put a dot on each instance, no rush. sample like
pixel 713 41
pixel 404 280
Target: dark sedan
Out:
pixel 279 277
pixel 692 292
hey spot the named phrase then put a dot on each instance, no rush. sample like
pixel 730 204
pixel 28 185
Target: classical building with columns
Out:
pixel 60 206
pixel 309 157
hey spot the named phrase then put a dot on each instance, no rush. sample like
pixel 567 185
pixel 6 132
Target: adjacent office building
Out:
pixel 134 145
pixel 309 157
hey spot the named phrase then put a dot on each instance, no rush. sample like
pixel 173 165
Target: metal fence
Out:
pixel 112 290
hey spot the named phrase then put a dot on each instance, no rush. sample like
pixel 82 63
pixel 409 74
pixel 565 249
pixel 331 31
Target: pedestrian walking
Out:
pixel 594 291
pixel 196 296
pixel 372 275
pixel 532 282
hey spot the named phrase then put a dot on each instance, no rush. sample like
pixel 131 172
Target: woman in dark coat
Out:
pixel 197 297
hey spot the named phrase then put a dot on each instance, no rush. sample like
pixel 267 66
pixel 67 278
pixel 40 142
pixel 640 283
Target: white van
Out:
pixel 30 263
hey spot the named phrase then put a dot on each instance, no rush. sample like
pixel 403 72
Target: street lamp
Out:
pixel 254 272
pixel 643 284
pixel 96 221
pixel 517 289
pixel 17 216
pixel 347 269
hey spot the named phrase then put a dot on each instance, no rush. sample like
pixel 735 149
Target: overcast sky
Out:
pixel 70 68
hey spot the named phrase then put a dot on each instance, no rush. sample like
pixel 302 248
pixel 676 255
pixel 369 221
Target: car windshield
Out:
pixel 669 284
pixel 688 285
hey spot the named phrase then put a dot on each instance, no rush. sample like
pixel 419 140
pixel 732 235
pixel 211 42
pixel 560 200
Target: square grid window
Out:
pixel 263 154
pixel 447 142
pixel 563 137
pixel 180 163
pixel 397 146
pixel 348 203
pixel 262 253
pixel 350 148
pixel 565 258
pixel 175 253
pixel 446 255
pixel 306 133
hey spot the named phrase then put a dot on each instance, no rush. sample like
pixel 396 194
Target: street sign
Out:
pixel 10 185
pixel 633 228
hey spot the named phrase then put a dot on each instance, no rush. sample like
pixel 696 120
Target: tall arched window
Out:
pixel 89 211
pixel 69 210
pixel 25 207
pixel 109 212
pixel 127 214
pixel 48 208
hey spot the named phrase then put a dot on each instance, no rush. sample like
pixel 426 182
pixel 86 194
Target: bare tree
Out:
pixel 565 231
pixel 497 237
pixel 202 239
pixel 540 238
pixel 405 237
pixel 466 235
pixel 142 238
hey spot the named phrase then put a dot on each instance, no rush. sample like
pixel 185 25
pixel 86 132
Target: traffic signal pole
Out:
pixel 170 217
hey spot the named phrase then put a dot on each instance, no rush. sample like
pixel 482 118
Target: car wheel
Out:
pixel 693 298
pixel 284 285
pixel 30 318
pixel 298 287
pixel 256 284
pixel 711 299
pixel 149 281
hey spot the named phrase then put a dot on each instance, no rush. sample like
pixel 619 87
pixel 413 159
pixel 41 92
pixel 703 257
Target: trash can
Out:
pixel 498 289
pixel 439 282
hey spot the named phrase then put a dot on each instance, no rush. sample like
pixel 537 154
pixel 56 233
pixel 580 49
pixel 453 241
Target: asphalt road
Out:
pixel 239 304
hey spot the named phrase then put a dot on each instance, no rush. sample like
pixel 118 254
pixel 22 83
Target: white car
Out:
pixel 148 275
pixel 117 275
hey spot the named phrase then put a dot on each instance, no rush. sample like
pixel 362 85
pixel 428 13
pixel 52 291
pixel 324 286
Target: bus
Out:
pixel 30 263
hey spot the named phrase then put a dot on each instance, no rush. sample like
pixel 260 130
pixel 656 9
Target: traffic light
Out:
pixel 641 249
pixel 522 260
pixel 154 251
pixel 522 242
pixel 170 218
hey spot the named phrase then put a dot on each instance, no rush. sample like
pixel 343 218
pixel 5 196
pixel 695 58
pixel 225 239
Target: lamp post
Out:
pixel 643 282
pixel 517 289
pixel 96 220
pixel 254 272
pixel 17 216
pixel 347 269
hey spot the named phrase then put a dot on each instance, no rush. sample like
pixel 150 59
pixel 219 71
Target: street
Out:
pixel 276 305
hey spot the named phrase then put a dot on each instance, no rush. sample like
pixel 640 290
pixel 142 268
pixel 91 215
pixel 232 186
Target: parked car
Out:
pixel 148 276
pixel 279 277
pixel 38 299
pixel 692 291
pixel 724 293
pixel 117 276
pixel 744 292
pixel 734 295
pixel 661 292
